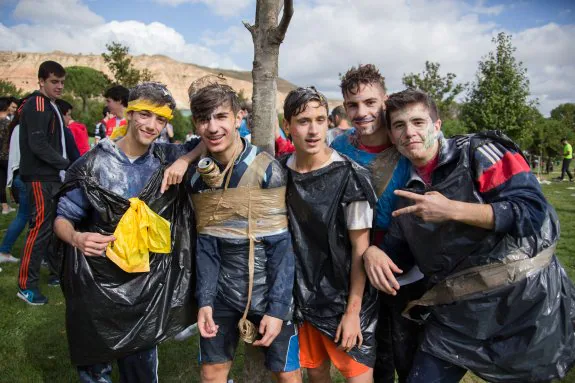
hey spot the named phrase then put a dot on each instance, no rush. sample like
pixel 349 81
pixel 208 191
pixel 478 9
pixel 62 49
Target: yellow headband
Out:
pixel 139 105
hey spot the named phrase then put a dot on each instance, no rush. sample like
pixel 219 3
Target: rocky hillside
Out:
pixel 22 69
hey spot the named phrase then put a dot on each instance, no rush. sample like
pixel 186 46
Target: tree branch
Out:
pixel 249 27
pixel 281 29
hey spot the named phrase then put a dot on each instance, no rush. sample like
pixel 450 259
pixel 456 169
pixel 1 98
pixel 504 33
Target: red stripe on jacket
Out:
pixel 502 171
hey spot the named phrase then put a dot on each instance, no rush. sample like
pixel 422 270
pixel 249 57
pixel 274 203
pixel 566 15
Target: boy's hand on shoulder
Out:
pixel 174 174
pixel 270 328
pixel 206 324
pixel 349 332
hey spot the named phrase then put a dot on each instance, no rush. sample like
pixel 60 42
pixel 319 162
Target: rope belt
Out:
pixel 481 279
pixel 263 211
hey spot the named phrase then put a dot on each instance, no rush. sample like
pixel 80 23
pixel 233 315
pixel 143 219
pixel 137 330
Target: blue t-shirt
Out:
pixel 345 144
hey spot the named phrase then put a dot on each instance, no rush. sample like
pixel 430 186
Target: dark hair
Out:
pixel 50 67
pixel 118 93
pixel 16 119
pixel 400 100
pixel 4 104
pixel 105 111
pixel 12 99
pixel 205 100
pixel 297 100
pixel 339 112
pixel 155 92
pixel 366 74
pixel 64 106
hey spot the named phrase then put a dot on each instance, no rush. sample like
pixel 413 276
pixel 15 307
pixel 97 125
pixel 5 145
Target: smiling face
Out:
pixel 414 133
pixel 218 132
pixel 309 128
pixel 364 108
pixel 144 126
pixel 53 86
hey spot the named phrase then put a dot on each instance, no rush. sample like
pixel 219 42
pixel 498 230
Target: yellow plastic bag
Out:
pixel 119 132
pixel 140 231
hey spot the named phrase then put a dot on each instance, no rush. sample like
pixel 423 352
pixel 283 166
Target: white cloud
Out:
pixel 219 7
pixel 66 35
pixel 66 12
pixel 327 37
pixel 494 10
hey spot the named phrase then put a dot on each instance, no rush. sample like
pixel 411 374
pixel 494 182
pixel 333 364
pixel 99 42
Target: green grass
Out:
pixel 33 346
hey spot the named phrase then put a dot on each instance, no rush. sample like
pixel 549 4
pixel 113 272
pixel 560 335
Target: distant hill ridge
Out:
pixel 21 68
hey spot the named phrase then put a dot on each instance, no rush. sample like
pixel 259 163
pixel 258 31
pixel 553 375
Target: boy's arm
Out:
pixel 72 208
pixel 349 329
pixel 207 272
pixel 174 174
pixel 280 267
pixel 280 270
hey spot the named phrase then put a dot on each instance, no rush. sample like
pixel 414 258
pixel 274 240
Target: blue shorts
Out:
pixel 281 356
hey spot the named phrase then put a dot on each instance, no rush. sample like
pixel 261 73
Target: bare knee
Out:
pixel 215 372
pixel 288 377
pixel 366 377
pixel 320 374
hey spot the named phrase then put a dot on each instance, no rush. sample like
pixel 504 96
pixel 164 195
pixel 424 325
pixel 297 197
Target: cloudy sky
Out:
pixel 324 39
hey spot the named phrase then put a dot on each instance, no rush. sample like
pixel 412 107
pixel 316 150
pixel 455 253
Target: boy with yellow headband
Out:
pixel 124 297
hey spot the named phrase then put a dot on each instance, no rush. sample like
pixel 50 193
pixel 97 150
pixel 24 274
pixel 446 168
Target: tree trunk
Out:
pixel 267 36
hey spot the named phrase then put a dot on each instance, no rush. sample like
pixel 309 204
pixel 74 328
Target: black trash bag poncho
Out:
pixel 522 331
pixel 111 313
pixel 316 205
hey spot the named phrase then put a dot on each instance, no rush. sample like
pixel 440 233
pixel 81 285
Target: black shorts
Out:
pixel 281 356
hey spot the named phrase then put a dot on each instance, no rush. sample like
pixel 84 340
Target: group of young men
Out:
pixel 289 254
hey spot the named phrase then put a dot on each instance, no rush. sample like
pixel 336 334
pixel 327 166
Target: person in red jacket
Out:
pixel 79 130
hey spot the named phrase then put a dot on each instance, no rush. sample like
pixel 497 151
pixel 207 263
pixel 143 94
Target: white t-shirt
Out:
pixel 358 214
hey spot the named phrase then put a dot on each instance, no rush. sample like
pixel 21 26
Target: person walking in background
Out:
pixel 19 188
pixel 4 147
pixel 567 157
pixel 42 138
pixel 79 130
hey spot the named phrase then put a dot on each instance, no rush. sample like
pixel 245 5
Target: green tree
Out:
pixel 452 128
pixel 566 114
pixel 442 89
pixel 498 97
pixel 120 64
pixel 91 115
pixel 182 125
pixel 85 83
pixel 7 88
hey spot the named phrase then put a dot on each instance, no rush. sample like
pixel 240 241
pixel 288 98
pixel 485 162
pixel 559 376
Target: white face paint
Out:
pixel 415 134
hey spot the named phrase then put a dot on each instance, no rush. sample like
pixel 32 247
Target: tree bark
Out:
pixel 267 36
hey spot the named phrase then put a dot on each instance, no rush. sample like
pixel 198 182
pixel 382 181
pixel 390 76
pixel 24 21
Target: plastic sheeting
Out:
pixel 316 206
pixel 111 313
pixel 521 332
pixel 139 231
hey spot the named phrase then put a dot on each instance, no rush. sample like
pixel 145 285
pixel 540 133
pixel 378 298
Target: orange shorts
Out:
pixel 315 348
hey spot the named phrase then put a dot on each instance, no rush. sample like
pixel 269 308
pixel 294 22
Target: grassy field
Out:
pixel 33 345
